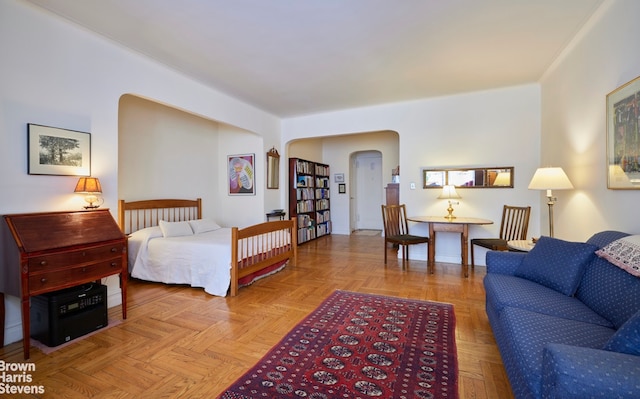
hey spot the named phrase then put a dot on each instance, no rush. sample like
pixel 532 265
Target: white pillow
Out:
pixel 175 229
pixel 203 225
pixel 624 253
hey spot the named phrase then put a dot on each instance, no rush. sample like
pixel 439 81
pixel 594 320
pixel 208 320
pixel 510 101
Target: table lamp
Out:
pixel 449 193
pixel 90 186
pixel 550 178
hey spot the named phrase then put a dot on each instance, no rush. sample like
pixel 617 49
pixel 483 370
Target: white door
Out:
pixel 368 190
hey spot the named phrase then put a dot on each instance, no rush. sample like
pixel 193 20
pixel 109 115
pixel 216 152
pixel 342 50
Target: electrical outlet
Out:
pixel 413 186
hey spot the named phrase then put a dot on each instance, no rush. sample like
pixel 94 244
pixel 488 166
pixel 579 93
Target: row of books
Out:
pixel 324 228
pixel 323 216
pixel 306 235
pixel 304 194
pixel 322 182
pixel 322 193
pixel 304 167
pixel 304 206
pixel 322 204
pixel 322 170
pixel 304 181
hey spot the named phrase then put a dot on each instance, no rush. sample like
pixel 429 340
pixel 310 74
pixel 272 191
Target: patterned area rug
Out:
pixel 360 346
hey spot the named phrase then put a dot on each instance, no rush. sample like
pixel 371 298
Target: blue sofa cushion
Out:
pixel 527 333
pixel 556 264
pixel 610 291
pixel 575 372
pixel 627 338
pixel 510 291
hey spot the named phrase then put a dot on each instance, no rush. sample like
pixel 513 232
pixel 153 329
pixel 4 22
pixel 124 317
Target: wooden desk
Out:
pixel 444 224
pixel 276 214
pixel 49 251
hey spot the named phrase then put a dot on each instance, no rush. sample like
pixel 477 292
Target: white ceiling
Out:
pixel 293 57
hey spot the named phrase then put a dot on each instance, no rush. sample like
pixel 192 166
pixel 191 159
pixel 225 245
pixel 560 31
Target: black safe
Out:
pixel 60 316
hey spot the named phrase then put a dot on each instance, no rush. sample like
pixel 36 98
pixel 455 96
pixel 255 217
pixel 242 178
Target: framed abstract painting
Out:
pixel 241 174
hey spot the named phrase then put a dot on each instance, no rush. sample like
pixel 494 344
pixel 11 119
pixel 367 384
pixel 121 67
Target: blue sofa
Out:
pixel 566 319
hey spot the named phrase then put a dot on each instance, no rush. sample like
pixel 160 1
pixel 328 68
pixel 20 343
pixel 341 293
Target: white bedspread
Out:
pixel 201 260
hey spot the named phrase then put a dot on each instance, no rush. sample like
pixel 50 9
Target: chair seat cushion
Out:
pixel 495 244
pixel 408 238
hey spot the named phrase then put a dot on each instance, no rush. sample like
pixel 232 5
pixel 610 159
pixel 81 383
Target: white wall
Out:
pixel 492 128
pixel 57 74
pixel 602 58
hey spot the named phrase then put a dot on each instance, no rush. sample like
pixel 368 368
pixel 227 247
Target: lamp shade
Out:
pixel 88 185
pixel 552 178
pixel 449 192
pixel 502 179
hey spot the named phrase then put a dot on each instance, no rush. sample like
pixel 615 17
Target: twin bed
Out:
pixel 170 242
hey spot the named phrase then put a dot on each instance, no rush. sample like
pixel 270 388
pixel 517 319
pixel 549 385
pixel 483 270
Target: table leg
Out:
pixel 464 241
pixel 431 252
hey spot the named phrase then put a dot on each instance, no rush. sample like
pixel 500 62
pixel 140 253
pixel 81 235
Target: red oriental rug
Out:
pixel 360 346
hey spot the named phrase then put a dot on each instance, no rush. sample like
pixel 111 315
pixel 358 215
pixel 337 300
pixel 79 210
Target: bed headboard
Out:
pixel 137 215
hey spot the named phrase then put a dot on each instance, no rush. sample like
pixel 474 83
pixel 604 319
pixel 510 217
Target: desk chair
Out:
pixel 514 226
pixel 396 230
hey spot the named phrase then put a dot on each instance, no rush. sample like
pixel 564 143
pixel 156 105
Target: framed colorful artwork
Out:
pixel 623 137
pixel 241 174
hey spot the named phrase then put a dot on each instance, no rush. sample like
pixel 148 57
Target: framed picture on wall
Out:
pixel 241 174
pixel 623 137
pixel 56 151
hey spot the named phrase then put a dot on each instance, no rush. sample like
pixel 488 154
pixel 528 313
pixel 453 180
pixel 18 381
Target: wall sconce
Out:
pixel 449 193
pixel 550 179
pixel 90 186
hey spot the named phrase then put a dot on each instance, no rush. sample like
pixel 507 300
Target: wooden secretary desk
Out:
pixel 49 251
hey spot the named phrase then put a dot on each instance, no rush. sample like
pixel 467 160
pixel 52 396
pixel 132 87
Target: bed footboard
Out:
pixel 260 246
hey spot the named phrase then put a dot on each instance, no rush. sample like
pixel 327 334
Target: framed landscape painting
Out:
pixel 56 151
pixel 623 137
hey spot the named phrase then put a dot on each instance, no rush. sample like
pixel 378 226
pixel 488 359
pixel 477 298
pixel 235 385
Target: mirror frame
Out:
pixel 273 169
pixel 437 178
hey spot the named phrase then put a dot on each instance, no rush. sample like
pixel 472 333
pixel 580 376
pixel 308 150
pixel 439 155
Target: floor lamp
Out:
pixel 550 179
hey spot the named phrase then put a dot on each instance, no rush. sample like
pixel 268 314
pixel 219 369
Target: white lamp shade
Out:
pixel 449 192
pixel 502 179
pixel 550 179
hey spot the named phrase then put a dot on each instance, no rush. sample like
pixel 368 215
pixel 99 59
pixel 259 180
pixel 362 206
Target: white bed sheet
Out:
pixel 201 260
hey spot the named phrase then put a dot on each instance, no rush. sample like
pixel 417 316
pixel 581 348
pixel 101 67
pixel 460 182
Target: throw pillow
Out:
pixel 627 338
pixel 175 229
pixel 556 264
pixel 203 225
pixel 624 253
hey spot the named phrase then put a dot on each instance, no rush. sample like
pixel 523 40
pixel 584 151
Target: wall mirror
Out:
pixel 273 168
pixel 495 177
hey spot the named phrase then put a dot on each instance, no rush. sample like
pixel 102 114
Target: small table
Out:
pixel 276 214
pixel 444 224
pixel 521 245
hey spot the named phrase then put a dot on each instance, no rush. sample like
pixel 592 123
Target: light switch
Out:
pixel 413 186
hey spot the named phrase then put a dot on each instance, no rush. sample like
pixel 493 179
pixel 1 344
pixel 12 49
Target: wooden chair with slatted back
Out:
pixel 396 230
pixel 514 226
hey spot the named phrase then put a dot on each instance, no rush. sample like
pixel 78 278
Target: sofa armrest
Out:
pixel 504 262
pixel 577 372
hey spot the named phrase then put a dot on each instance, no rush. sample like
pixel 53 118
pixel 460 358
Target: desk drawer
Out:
pixel 48 281
pixel 81 256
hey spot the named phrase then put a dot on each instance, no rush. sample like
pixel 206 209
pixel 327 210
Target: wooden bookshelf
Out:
pixel 309 199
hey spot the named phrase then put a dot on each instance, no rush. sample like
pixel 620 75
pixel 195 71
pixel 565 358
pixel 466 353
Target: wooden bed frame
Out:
pixel 136 215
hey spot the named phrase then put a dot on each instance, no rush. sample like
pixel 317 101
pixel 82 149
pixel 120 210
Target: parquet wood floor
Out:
pixel 179 342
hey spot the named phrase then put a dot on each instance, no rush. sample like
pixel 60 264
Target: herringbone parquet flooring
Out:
pixel 179 342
